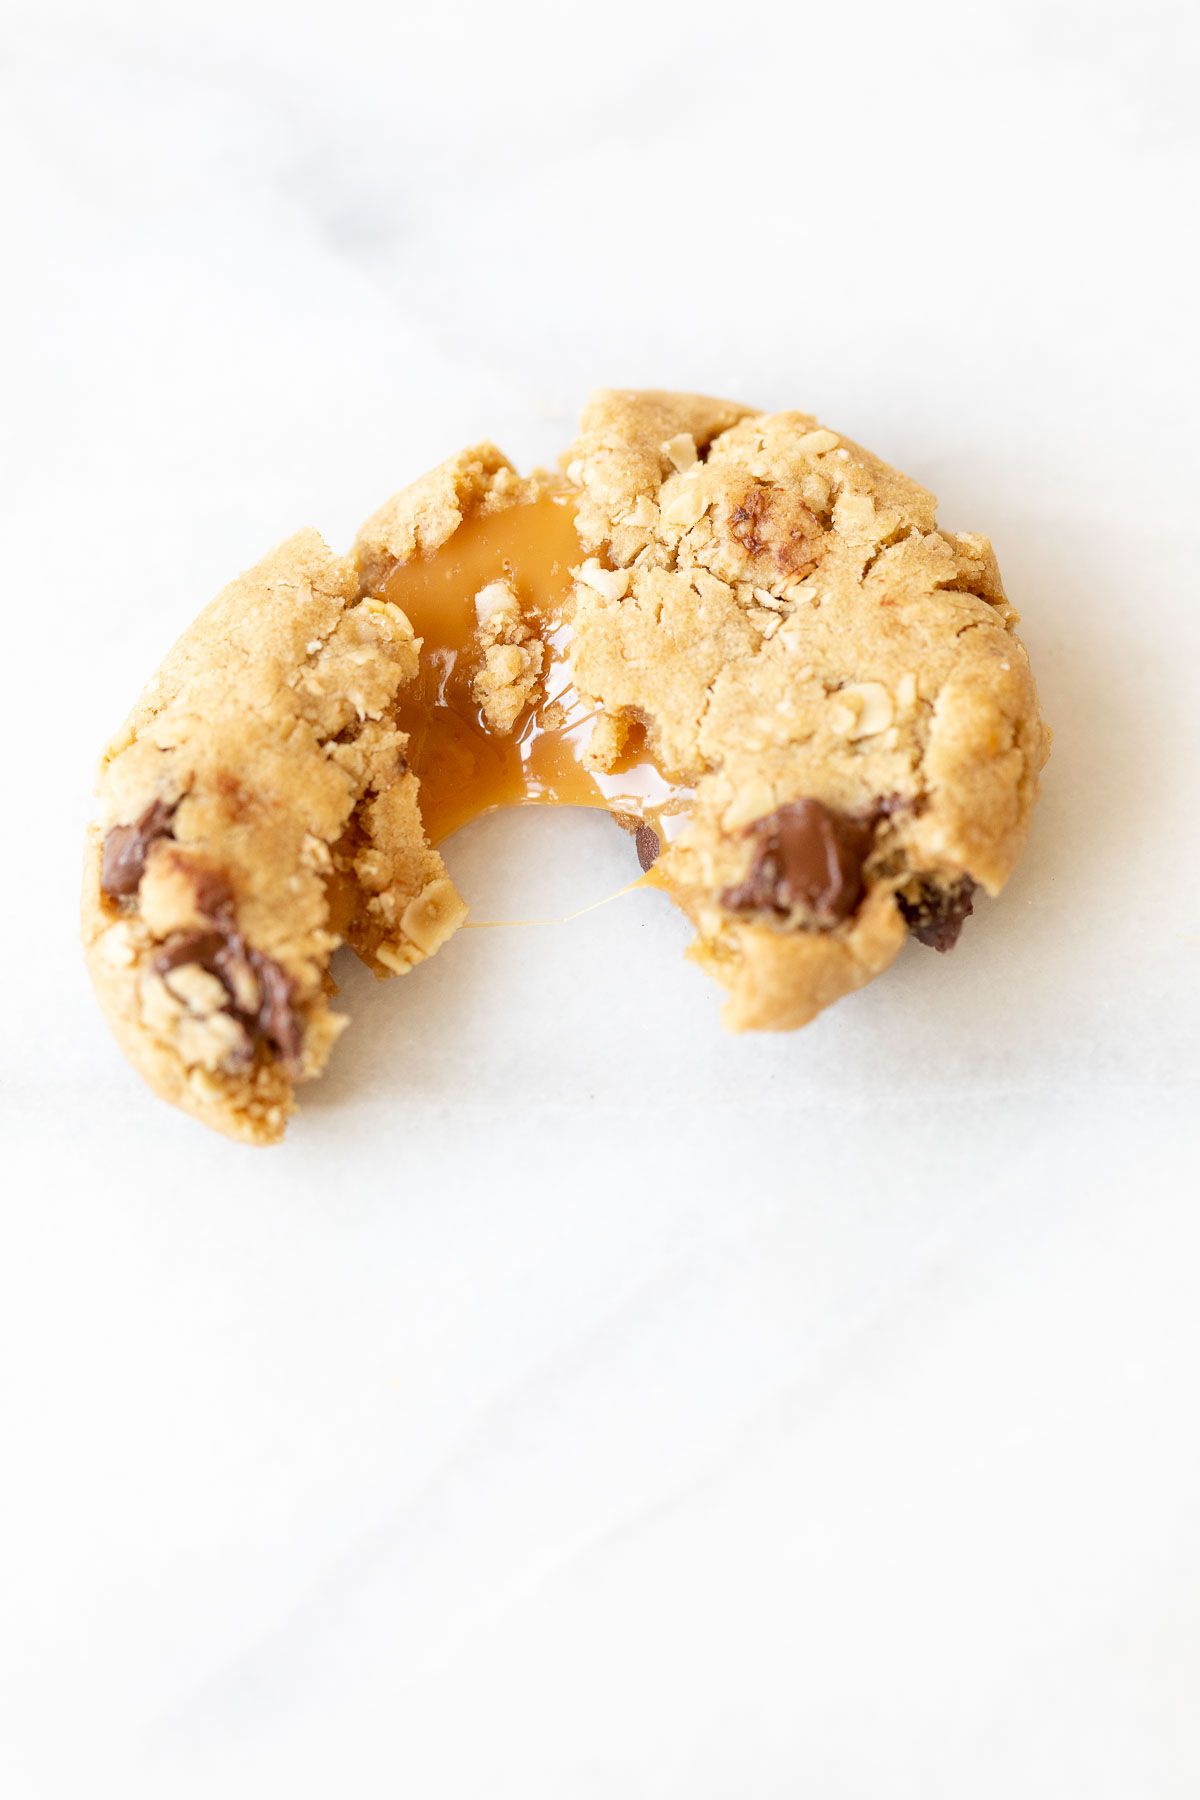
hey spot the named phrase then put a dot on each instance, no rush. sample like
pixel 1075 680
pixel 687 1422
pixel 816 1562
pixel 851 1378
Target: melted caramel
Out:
pixel 465 769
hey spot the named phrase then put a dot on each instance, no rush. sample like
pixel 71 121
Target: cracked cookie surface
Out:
pixel 771 613
pixel 793 626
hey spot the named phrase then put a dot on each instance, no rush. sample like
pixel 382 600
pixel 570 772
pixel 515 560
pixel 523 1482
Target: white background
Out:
pixel 584 1403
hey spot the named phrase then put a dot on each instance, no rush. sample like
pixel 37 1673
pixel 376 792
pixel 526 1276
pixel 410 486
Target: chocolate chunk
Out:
pixel 271 1016
pixel 805 855
pixel 123 860
pixel 936 915
pixel 201 947
pixel 277 1018
pixel 646 843
pixel 214 896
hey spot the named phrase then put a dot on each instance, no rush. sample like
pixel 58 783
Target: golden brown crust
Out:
pixel 252 1110
pixel 779 981
pixel 266 739
pixel 776 607
pixel 793 624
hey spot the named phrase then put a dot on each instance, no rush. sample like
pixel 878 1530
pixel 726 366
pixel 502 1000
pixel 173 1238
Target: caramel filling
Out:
pixel 467 767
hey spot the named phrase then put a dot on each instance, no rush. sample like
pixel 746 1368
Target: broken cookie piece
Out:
pixel 741 635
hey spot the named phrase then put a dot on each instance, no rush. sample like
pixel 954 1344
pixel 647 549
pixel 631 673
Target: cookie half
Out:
pixel 740 634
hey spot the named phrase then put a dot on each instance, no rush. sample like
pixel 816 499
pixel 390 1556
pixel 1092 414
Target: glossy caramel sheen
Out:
pixel 465 769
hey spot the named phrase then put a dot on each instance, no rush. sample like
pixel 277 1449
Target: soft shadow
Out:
pixel 1100 785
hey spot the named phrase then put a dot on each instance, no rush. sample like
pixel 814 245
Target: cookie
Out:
pixel 740 634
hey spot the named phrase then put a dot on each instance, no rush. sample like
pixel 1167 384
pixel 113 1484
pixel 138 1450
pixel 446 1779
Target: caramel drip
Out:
pixel 465 769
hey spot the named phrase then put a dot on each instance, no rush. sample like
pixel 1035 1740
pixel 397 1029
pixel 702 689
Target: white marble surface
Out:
pixel 583 1403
